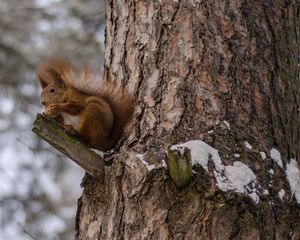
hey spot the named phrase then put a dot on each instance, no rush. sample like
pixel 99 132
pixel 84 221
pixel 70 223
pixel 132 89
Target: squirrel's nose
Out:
pixel 43 102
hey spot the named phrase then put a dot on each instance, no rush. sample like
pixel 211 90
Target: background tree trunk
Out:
pixel 225 72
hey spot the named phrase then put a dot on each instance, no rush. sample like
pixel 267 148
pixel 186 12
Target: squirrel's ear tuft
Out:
pixel 55 70
pixel 42 81
pixel 58 79
pixel 49 75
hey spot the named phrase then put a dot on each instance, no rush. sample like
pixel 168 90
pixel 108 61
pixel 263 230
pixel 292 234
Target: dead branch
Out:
pixel 70 146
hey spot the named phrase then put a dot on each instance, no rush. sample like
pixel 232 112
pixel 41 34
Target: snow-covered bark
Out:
pixel 217 77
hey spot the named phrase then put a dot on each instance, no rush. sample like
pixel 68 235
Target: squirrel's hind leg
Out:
pixel 95 125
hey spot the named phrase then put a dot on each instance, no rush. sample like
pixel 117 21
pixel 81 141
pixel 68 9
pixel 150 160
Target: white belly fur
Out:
pixel 70 120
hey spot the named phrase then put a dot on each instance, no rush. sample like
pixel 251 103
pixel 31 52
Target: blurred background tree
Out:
pixel 38 188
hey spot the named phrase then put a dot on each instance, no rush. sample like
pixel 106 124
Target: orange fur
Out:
pixel 98 111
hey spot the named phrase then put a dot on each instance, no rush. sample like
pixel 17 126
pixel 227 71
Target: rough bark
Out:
pixel 191 65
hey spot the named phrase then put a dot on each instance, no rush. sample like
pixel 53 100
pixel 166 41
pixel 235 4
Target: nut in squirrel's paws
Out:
pixel 52 111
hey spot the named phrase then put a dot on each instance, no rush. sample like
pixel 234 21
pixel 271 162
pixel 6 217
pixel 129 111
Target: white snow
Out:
pixel 200 152
pixel 149 167
pixel 227 124
pixel 248 145
pixel 238 177
pixel 275 155
pixel 236 155
pixel 293 175
pixel 271 171
pixel 100 153
pixel 210 132
pixel 263 155
pixel 281 193
pixel 266 192
pixel 163 164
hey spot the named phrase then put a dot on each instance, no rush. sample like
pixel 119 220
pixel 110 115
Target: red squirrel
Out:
pixel 97 111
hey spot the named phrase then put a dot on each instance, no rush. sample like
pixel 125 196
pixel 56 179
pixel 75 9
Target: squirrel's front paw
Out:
pixel 52 111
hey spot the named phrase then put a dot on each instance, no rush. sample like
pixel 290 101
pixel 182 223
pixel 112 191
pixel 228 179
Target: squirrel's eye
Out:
pixel 52 90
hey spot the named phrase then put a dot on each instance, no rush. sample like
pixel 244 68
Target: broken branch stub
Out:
pixel 70 146
pixel 180 166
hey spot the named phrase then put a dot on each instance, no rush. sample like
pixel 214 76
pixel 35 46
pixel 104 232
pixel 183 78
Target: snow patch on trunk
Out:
pixel 248 145
pixel 238 177
pixel 293 175
pixel 149 167
pixel 266 192
pixel 227 124
pixel 98 152
pixel 263 155
pixel 281 193
pixel 200 152
pixel 276 156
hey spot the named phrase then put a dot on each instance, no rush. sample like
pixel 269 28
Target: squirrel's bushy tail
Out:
pixel 122 106
pixel 119 100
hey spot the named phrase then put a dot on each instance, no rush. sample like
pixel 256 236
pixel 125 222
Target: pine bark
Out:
pixel 191 65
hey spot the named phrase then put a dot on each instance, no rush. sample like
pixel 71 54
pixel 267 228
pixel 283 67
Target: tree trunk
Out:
pixel 225 73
